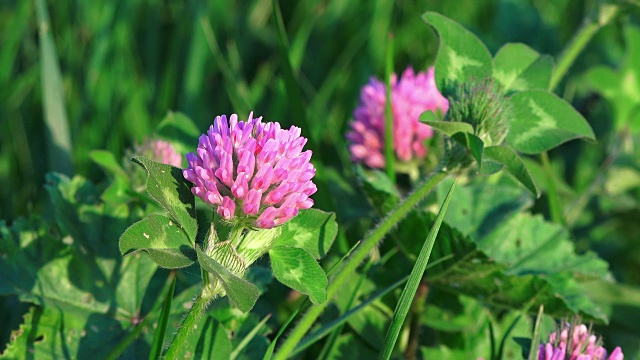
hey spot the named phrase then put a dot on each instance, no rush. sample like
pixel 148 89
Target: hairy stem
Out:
pixel 189 325
pixel 349 266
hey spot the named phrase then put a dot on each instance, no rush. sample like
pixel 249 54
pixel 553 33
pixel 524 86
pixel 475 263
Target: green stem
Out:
pixel 123 345
pixel 552 193
pixel 588 29
pixel 58 140
pixel 359 255
pixel 389 155
pixel 135 332
pixel 604 14
pixel 189 324
pixel 575 209
pixel 236 235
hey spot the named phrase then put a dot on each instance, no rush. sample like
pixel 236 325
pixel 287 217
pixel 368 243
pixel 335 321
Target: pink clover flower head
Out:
pixel 252 170
pixel 410 96
pixel 159 151
pixel 576 342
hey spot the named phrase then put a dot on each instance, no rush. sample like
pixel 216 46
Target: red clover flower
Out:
pixel 575 342
pixel 410 96
pixel 252 171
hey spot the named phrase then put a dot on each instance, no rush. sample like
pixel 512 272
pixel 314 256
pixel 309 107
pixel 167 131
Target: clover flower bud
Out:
pixel 481 104
pixel 252 171
pixel 410 96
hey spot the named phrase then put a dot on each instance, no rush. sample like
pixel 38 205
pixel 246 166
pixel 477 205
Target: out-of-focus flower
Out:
pixel 159 151
pixel 252 172
pixel 410 96
pixel 154 149
pixel 575 342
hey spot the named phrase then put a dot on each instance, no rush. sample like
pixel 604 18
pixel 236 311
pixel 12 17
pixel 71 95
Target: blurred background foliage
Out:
pixel 125 64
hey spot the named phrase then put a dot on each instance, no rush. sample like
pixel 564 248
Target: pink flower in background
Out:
pixel 252 170
pixel 410 96
pixel 159 151
pixel 575 342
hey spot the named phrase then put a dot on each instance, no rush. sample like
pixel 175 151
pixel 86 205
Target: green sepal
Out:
pixel 447 127
pixel 241 293
pixel 473 143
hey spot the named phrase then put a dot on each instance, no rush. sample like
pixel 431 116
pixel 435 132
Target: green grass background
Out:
pixel 125 63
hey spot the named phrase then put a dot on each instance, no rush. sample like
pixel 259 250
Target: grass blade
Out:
pixel 245 341
pixel 389 155
pixel 330 343
pixel 404 304
pixel 163 322
pixel 239 101
pixel 117 351
pixel 327 328
pixel 55 115
pixel 554 202
pixel 535 341
pixel 293 89
pixel 272 346
pixel 503 342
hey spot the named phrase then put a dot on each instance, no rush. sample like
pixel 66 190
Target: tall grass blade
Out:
pixel 55 115
pixel 327 328
pixel 389 156
pixel 330 343
pixel 247 339
pixel 239 102
pixel 404 304
pixel 535 341
pixel 291 83
pixel 380 23
pixel 117 351
pixel 163 321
